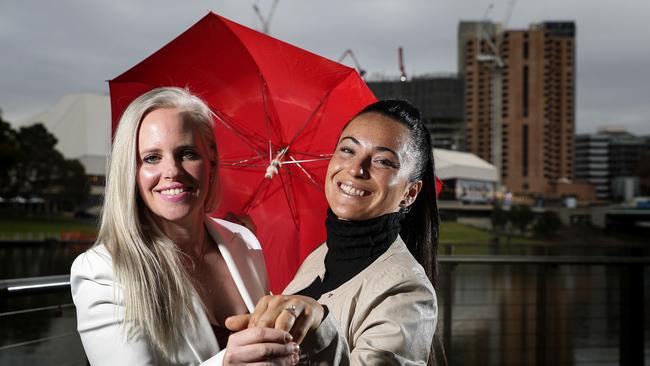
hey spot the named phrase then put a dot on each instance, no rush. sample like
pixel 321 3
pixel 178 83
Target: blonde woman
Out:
pixel 158 284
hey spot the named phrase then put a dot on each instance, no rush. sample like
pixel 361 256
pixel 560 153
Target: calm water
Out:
pixel 495 313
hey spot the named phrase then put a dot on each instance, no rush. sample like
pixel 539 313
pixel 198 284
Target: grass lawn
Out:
pixel 44 226
pixel 455 233
pixel 450 232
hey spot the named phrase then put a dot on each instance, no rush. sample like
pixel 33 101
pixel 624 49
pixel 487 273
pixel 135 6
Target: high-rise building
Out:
pixel 610 160
pixel 440 100
pixel 592 162
pixel 469 31
pixel 519 101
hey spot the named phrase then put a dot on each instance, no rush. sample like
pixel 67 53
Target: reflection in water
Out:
pixel 58 341
pixel 501 314
pixel 36 258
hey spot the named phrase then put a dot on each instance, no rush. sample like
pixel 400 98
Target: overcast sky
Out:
pixel 50 48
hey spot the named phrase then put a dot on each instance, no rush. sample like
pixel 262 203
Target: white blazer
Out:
pixel 100 309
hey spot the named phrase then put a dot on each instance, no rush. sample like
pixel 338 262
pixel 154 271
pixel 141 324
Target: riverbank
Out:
pixel 42 228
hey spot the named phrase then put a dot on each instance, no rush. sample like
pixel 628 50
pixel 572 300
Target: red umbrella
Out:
pixel 278 112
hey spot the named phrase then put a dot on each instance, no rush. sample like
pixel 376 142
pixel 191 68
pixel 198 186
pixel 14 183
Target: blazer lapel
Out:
pixel 246 265
pixel 311 268
pixel 201 342
pixel 242 261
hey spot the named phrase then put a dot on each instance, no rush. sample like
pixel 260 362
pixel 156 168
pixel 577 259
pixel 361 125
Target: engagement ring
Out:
pixel 292 310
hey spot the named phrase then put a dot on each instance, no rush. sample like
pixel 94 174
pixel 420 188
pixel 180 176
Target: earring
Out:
pixel 404 208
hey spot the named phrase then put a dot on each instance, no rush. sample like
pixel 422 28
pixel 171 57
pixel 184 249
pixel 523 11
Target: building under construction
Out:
pixel 440 100
pixel 520 101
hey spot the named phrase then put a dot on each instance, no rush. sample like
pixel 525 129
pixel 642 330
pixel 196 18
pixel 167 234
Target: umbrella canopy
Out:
pixel 278 111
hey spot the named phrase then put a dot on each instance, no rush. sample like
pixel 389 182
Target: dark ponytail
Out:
pixel 420 226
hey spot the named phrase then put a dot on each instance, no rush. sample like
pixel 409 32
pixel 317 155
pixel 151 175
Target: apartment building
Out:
pixel 520 101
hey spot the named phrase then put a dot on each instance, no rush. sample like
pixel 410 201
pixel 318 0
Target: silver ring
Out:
pixel 292 310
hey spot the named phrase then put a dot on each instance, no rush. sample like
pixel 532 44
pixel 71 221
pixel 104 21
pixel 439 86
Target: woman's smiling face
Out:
pixel 368 175
pixel 173 166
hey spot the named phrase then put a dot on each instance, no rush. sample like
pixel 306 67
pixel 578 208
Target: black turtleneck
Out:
pixel 351 247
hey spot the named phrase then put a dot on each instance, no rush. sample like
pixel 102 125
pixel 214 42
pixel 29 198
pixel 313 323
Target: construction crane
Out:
pixel 266 21
pixel 495 46
pixel 349 52
pixel 496 64
pixel 400 55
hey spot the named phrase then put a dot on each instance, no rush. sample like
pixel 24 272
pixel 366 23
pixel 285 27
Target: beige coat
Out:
pixel 385 315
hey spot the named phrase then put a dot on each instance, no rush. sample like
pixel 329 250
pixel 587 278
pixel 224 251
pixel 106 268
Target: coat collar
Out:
pixel 247 272
pixel 237 255
pixel 316 267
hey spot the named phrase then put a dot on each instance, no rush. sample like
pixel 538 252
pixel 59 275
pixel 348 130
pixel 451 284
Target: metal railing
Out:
pixel 34 285
pixel 40 304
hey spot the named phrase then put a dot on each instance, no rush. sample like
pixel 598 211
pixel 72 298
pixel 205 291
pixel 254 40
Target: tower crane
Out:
pixel 496 64
pixel 349 52
pixel 266 21
pixel 400 55
pixel 482 35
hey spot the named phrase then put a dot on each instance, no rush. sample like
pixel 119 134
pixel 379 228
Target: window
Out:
pixel 524 157
pixel 526 50
pixel 525 91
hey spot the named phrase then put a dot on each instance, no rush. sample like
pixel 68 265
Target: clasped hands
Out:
pixel 272 334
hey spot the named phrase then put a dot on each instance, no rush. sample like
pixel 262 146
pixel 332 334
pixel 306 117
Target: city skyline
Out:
pixel 74 46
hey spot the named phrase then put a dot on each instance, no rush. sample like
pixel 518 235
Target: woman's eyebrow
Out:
pixel 349 138
pixel 150 150
pixel 387 149
pixel 183 147
pixel 157 150
pixel 378 148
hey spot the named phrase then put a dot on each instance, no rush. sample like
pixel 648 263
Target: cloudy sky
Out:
pixel 50 48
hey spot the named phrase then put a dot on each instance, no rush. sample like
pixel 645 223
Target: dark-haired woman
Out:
pixel 374 277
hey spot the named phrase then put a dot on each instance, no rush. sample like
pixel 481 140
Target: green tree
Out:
pixel 9 157
pixel 73 185
pixel 547 225
pixel 521 216
pixel 40 164
pixel 499 218
pixel 33 167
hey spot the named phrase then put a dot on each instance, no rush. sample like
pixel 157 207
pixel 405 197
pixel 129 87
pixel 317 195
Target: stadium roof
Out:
pixel 81 123
pixel 463 165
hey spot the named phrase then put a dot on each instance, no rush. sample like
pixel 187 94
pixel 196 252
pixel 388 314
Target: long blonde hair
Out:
pixel 156 289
